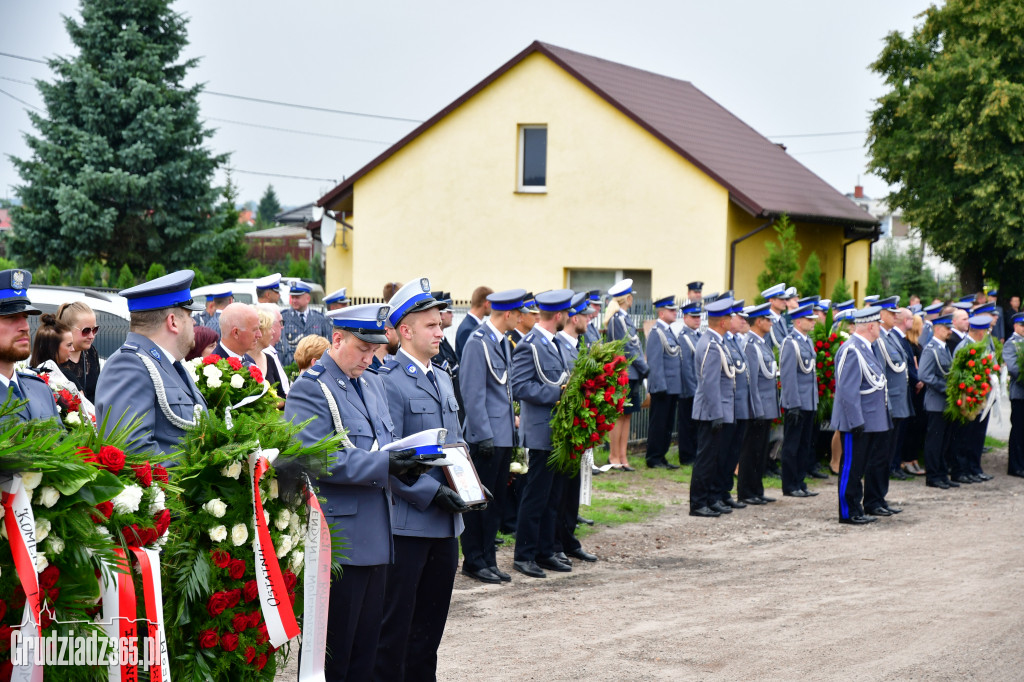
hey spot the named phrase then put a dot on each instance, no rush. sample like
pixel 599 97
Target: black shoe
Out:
pixel 976 479
pixel 773 474
pixel 879 511
pixel 564 559
pixel 529 568
pixel 594 471
pixel 626 467
pixel 893 510
pixel 952 484
pixel 498 542
pixel 1018 474
pixel 963 479
pixel 505 577
pixel 553 564
pixel 798 493
pixel 937 484
pixel 721 507
pixel 735 504
pixel 900 475
pixel 583 554
pixel 857 520
pixel 661 465
pixel 484 575
pixel 580 519
pixel 706 512
pixel 753 500
pixel 766 499
pixel 983 476
pixel 816 474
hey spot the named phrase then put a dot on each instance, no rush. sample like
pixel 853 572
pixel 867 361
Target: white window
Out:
pixel 532 173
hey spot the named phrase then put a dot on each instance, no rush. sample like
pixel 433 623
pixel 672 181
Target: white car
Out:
pixel 111 312
pixel 244 291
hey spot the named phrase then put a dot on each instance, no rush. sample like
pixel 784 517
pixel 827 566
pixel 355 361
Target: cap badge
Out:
pixel 17 279
pixel 441 434
pixel 425 285
pixel 382 314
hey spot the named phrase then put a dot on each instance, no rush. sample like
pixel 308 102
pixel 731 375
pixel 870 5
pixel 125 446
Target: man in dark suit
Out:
pixel 961 325
pixel 479 308
pixel 240 330
pixel 16 345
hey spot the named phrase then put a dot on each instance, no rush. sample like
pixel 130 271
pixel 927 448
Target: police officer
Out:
pixel 339 395
pixel 529 315
pixel 539 375
pixel 222 297
pixel 1013 362
pixel 489 427
pixel 936 362
pixel 300 321
pixel 763 372
pixel 620 326
pixel 713 408
pixel 777 297
pixel 268 289
pixel 893 357
pixel 145 377
pixel 694 292
pixel 860 415
pixel 746 405
pixel 479 308
pixel 16 345
pixel 687 339
pixel 797 361
pixel 930 313
pixel 336 299
pixel 593 331
pixel 664 382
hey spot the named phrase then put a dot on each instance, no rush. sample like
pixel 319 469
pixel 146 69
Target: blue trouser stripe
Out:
pixel 844 479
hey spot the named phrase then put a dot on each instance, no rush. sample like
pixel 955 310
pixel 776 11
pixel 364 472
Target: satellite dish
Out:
pixel 328 228
pixel 318 212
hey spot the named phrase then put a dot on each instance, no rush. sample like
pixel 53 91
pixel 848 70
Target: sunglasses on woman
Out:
pixel 89 331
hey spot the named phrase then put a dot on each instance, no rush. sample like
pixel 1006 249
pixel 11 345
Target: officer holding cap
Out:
pixel 342 396
pixel 16 345
pixel 145 377
pixel 300 321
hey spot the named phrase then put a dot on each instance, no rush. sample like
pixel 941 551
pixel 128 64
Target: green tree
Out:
pixel 87 277
pixel 228 244
pixel 810 281
pixel 782 260
pixel 125 278
pixel 54 276
pixel 155 270
pixel 903 272
pixel 947 134
pixel 874 285
pixel 119 170
pixel 200 279
pixel 841 292
pixel 300 268
pixel 269 207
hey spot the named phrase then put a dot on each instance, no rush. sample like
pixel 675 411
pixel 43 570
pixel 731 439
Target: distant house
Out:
pixel 295 233
pixel 563 169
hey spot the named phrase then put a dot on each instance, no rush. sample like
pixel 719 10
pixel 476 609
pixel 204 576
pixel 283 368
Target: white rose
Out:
pixel 127 501
pixel 73 418
pixel 30 479
pixel 274 492
pixel 213 383
pixel 212 372
pixel 297 559
pixel 284 546
pixel 218 533
pixel 162 540
pixel 232 470
pixel 283 517
pixel 216 507
pixel 237 381
pixel 159 501
pixel 294 525
pixel 102 530
pixel 41 562
pixel 296 540
pixel 48 496
pixel 55 544
pixel 2 512
pixel 239 534
pixel 266 517
pixel 515 468
pixel 525 469
pixel 43 527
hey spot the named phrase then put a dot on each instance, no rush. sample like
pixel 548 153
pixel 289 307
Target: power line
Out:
pixel 847 132
pixel 18 56
pixel 4 92
pixel 16 80
pixel 292 130
pixel 828 151
pixel 281 175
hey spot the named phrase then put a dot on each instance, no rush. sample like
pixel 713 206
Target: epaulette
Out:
pixel 383 369
pixel 528 338
pixel 479 332
pixel 371 370
pixel 314 371
pixel 129 347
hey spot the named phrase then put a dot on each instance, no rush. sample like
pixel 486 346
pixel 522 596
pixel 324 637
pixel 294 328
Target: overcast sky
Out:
pixel 788 69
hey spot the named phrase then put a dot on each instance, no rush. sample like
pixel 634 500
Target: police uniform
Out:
pixel 212 321
pixel 621 326
pixel 936 362
pixel 24 385
pixel 780 326
pixel 685 428
pixel 797 361
pixel 861 417
pixel 745 406
pixel 592 334
pixel 969 441
pixel 270 283
pixel 142 380
pixel 419 583
pixel 490 421
pixel 358 503
pixel 1012 362
pixel 468 325
pixel 713 408
pixel 893 357
pixel 664 385
pixel 295 325
pixel 336 299
pixel 763 372
pixel 539 370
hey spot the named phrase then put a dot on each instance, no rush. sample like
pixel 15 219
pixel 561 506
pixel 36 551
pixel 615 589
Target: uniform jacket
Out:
pixel 799 387
pixel 715 394
pixel 747 399
pixel 293 329
pixel 41 404
pixel 415 406
pixel 1013 365
pixel 688 340
pixel 763 371
pixel 466 327
pixel 210 321
pixel 926 333
pixel 935 363
pixel 860 389
pixel 446 359
pixel 664 361
pixel 888 346
pixel 621 326
pixel 486 363
pixel 778 333
pixel 357 487
pixel 536 396
pixel 593 333
pixel 954 340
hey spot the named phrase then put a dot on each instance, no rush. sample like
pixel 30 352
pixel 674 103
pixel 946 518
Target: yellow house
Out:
pixel 564 170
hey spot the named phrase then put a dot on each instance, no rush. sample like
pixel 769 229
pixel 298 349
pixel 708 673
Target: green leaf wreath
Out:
pixel 969 381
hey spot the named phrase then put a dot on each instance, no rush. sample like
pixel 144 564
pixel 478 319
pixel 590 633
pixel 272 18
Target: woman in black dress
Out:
pixel 83 367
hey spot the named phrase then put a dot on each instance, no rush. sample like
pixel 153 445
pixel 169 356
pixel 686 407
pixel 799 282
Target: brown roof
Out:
pixel 760 176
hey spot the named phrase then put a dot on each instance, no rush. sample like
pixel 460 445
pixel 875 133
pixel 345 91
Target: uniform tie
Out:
pixel 16 390
pixel 433 380
pixel 359 389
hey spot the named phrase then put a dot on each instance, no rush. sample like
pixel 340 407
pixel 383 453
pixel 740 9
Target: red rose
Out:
pixel 149 536
pixel 984 360
pixel 211 359
pixel 977 377
pixel 963 386
pixel 236 569
pixel 970 363
pixel 250 591
pixel 52 594
pixel 5 642
pixel 588 384
pixel 254 619
pixel 87 455
pixel 594 437
pixel 229 642
pixel 289 579
pixel 234 596
pixel 234 363
pixel 261 661
pixel 261 636
pixel 833 337
pixel 48 578
pixel 105 508
pixel 162 519
pixel 45 376
pixel 240 623
pixel 220 558
pixel 601 419
pixel 819 345
pixel 256 374
pixel 995 367
pixel 586 402
pixel 959 402
pixel 623 379
pixel 609 367
pixel 110 458
pixel 131 535
pixel 3 609
pixel 218 602
pixel 972 351
pixel 160 474
pixel 575 421
pixel 208 639
pixel 987 371
pixel 608 395
pixel 18 599
pixel 144 473
pixel 250 653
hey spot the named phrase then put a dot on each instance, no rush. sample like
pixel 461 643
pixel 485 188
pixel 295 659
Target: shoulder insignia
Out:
pixel 155 353
pixel 410 368
pixel 383 369
pixel 371 370
pixel 129 348
pixel 493 337
pixel 341 382
pixel 479 333
pixel 528 338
